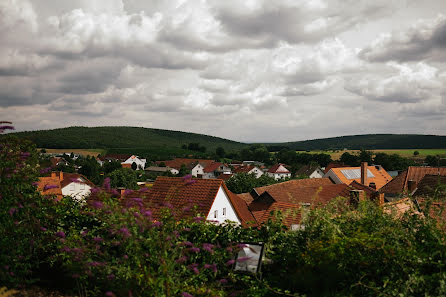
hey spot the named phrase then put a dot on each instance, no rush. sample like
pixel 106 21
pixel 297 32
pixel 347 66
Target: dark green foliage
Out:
pixel 220 152
pixel 111 166
pixel 128 138
pixel 296 160
pixel 91 169
pixel 244 182
pixel 393 161
pixel 435 161
pixel 416 153
pixel 369 142
pixel 256 152
pixel 123 177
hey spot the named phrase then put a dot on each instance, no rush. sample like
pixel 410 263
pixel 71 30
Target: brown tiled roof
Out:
pixel 437 209
pixel 241 208
pixel 245 169
pixel 429 186
pixel 70 177
pixel 291 213
pixel 296 183
pixel 399 184
pixel 306 170
pixel 247 197
pixel 274 169
pixel 293 199
pixel 212 167
pixel 381 176
pixel 225 177
pixel 181 193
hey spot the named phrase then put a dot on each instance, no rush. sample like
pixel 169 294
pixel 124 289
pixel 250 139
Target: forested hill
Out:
pixel 369 141
pixel 123 137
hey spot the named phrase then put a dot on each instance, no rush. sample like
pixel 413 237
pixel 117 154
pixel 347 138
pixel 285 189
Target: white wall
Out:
pixel 317 174
pixel 140 163
pixel 333 177
pixel 222 201
pixel 76 190
pixel 278 176
pixel 256 171
pixel 198 169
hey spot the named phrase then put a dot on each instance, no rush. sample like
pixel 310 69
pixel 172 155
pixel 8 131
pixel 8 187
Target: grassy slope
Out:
pixel 121 139
pixel 370 141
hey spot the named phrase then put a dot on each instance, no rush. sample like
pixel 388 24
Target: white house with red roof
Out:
pixel 208 198
pixel 140 163
pixel 66 184
pixel 215 169
pixel 278 171
pixel 250 169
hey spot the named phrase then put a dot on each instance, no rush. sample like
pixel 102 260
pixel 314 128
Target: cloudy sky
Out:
pixel 254 70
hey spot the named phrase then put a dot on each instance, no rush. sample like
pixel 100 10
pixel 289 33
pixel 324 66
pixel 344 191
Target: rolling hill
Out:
pixel 369 141
pixel 142 141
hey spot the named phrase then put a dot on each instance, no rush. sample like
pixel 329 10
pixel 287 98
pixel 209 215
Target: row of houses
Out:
pixel 215 202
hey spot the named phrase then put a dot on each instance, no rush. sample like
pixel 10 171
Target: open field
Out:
pixel 335 155
pixel 83 152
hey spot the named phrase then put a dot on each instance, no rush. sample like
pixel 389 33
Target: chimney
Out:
pixel 372 185
pixel 364 173
pixel 60 175
pixel 53 174
pixel 411 185
pixel 356 196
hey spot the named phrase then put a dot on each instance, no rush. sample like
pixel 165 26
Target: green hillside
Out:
pixel 141 141
pixel 369 141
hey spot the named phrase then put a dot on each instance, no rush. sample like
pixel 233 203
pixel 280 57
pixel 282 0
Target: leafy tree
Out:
pixel 91 169
pixel 220 152
pixel 416 153
pixel 123 177
pixel 244 182
pixel 365 156
pixel 350 159
pixel 134 166
pixel 111 166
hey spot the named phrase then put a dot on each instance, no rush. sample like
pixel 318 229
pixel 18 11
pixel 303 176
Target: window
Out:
pixel 224 211
pixel 215 214
pixel 72 187
pixel 82 186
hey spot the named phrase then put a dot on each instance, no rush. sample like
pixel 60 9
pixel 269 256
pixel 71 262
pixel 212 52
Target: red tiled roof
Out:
pixel 245 169
pixel 429 186
pixel 399 183
pixel 291 213
pixel 275 168
pixel 225 177
pixel 296 183
pixel 68 178
pixel 381 176
pixel 289 201
pixel 212 167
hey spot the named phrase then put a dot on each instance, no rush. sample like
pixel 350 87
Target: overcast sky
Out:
pixel 252 71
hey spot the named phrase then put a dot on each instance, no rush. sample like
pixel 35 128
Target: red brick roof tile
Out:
pixel 399 184
pixel 275 169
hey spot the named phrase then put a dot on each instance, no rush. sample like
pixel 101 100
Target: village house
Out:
pixel 278 171
pixel 139 163
pixel 161 170
pixel 294 198
pixel 211 198
pixel 374 176
pixel 65 184
pixel 197 167
pixel 249 169
pixel 215 169
pixel 407 182
pixel 312 171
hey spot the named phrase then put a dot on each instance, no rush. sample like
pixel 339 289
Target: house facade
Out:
pixel 140 163
pixel 278 171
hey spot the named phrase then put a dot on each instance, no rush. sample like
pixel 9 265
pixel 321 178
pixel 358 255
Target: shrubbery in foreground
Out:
pixel 106 248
